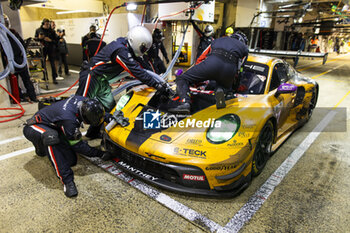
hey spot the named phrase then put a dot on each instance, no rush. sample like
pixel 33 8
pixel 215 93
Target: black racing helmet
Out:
pixel 241 37
pixel 92 112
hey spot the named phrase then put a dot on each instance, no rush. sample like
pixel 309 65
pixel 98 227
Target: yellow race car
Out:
pixel 214 151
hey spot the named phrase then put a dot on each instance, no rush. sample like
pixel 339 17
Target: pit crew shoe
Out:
pixel 182 108
pixel 70 190
pixel 220 98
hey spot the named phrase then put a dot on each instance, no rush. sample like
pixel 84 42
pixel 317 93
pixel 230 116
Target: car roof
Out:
pixel 262 59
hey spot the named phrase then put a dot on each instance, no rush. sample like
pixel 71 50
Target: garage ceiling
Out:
pixel 77 6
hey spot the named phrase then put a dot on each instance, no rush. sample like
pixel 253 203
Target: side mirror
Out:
pixel 285 88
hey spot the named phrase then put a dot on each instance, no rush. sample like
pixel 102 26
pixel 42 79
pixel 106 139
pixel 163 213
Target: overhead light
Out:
pixel 131 6
pixel 300 20
pixel 71 12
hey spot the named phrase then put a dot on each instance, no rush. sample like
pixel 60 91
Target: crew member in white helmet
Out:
pixel 118 56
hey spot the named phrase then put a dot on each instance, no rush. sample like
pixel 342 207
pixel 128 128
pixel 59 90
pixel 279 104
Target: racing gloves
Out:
pixel 108 118
pixel 165 88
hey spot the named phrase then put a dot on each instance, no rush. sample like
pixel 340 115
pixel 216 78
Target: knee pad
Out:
pixel 50 137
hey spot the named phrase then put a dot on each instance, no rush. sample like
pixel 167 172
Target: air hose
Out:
pixel 10 68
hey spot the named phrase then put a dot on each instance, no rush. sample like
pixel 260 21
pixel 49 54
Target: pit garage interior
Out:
pixel 305 184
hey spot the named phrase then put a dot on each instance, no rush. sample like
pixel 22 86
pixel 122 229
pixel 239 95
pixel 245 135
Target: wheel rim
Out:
pixel 264 147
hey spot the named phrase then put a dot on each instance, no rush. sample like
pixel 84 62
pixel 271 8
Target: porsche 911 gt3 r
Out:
pixel 213 151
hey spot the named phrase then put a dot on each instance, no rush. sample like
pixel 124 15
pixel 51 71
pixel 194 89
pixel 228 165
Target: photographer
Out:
pixel 49 39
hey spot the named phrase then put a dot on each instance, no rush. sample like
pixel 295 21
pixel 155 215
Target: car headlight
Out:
pixel 224 128
pixel 123 101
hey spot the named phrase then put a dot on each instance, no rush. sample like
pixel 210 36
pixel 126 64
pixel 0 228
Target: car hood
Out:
pixel 134 134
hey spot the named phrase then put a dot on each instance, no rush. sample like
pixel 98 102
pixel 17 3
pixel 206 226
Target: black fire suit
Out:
pixel 153 55
pixel 49 47
pixel 218 62
pixel 109 62
pixel 204 42
pixel 63 118
pixel 84 40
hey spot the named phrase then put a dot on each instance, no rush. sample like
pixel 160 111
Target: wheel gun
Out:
pixel 118 118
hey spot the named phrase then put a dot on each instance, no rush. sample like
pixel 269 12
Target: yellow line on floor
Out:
pixel 308 67
pixel 316 76
pixel 332 80
pixel 341 100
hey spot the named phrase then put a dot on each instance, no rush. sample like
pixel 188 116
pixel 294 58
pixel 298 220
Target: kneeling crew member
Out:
pixel 114 58
pixel 54 132
pixel 220 62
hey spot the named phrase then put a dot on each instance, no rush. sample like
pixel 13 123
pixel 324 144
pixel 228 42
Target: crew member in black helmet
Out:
pixel 54 132
pixel 153 52
pixel 219 62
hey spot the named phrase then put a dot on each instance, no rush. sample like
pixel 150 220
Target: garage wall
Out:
pixel 78 27
pixel 246 10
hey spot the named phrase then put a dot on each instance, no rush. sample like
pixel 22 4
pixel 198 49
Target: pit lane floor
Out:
pixel 313 196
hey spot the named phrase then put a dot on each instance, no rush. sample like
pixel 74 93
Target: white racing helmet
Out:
pixel 209 30
pixel 140 40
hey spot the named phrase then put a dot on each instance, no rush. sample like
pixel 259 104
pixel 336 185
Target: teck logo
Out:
pixel 193 177
pixel 151 120
pixel 190 152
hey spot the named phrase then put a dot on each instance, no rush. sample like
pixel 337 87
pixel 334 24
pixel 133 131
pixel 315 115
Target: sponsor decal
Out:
pixel 221 168
pixel 255 67
pixel 194 141
pixel 235 143
pixel 190 152
pixel 165 138
pixel 287 88
pixel 243 134
pixel 136 171
pixel 248 124
pixel 193 177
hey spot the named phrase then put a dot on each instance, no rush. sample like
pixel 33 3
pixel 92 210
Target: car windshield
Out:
pixel 253 78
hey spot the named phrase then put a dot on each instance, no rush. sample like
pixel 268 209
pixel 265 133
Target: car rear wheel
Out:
pixel 263 148
pixel 313 102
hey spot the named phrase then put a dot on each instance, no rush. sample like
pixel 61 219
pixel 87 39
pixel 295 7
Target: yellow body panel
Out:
pixel 191 147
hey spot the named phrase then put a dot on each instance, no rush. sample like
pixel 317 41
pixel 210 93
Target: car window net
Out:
pixel 253 78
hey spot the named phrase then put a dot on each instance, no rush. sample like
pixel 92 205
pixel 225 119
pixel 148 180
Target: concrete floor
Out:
pixel 313 197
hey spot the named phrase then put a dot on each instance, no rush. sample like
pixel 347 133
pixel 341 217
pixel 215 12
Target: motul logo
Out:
pixel 193 177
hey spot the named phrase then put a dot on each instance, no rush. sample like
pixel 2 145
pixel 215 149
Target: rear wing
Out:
pixel 289 54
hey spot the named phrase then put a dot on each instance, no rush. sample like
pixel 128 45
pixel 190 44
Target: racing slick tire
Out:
pixel 313 102
pixel 263 148
pixel 311 107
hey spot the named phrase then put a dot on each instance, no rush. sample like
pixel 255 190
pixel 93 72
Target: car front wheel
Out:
pixel 263 148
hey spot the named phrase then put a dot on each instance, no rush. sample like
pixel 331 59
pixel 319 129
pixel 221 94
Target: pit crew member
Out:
pixel 153 52
pixel 54 132
pixel 219 62
pixel 114 58
pixel 206 37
